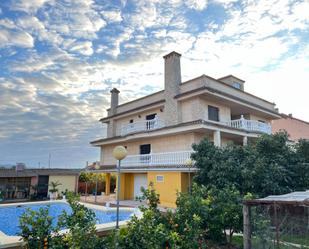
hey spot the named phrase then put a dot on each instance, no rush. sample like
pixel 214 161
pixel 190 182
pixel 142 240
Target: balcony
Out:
pixel 179 158
pixel 145 125
pixel 250 125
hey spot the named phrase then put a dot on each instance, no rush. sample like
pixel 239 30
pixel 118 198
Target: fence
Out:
pixel 276 225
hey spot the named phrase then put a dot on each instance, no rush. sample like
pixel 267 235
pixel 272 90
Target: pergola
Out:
pixel 276 203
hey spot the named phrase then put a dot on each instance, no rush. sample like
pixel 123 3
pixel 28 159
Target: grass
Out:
pixel 295 239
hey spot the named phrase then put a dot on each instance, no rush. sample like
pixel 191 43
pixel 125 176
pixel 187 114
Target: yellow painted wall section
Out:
pixel 168 188
pixel 67 182
pixel 126 186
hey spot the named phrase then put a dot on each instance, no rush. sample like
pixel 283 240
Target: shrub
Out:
pixel 36 228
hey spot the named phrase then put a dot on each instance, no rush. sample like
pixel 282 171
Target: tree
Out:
pixel 36 228
pixel 155 230
pixel 271 165
pixel 80 224
pixel 225 213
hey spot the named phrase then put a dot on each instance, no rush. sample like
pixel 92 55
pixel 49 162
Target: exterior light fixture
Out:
pixel 119 153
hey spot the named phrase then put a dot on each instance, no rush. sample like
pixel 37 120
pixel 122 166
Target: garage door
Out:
pixel 140 180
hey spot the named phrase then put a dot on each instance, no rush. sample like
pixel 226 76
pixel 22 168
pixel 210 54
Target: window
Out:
pixel 145 149
pixel 150 124
pixel 160 178
pixel 213 113
pixel 151 116
pixel 131 121
pixel 236 85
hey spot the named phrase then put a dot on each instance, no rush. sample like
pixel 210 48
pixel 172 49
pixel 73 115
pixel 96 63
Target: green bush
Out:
pixel 36 228
pixel 156 230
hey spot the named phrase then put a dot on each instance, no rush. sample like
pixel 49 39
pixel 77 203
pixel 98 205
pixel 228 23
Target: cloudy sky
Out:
pixel 59 59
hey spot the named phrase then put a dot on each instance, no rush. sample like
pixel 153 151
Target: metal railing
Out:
pixel 250 125
pixel 144 125
pixel 178 158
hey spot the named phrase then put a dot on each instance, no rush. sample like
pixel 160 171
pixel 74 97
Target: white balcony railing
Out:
pixel 250 125
pixel 179 158
pixel 144 125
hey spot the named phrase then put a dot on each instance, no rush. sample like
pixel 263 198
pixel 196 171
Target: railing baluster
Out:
pixel 249 125
pixel 157 159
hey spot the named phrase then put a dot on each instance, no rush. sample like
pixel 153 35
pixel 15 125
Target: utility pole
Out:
pixel 49 160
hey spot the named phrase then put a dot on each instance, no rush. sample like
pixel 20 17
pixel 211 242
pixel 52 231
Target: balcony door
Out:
pixel 144 151
pixel 150 124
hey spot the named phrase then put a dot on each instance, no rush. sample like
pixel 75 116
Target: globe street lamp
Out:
pixel 97 167
pixel 189 163
pixel 119 153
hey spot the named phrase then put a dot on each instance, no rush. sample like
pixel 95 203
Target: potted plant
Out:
pixel 64 193
pixel 53 191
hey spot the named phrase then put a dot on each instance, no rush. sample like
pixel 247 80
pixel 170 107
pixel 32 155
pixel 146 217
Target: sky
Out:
pixel 60 59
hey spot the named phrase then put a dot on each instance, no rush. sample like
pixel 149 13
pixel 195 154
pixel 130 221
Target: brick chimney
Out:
pixel 114 100
pixel 172 81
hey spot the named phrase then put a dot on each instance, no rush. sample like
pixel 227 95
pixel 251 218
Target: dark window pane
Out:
pixel 213 113
pixel 145 149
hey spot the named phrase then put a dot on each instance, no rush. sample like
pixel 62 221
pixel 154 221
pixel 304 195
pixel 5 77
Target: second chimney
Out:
pixel 114 100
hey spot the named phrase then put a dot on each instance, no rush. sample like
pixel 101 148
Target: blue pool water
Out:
pixel 9 215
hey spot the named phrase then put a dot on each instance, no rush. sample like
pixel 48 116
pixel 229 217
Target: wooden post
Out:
pixel 277 226
pixel 247 228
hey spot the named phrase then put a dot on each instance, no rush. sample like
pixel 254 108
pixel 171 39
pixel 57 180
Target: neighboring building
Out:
pixel 159 129
pixel 296 128
pixel 22 183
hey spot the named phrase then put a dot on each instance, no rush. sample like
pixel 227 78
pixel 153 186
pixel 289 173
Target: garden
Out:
pixel 209 215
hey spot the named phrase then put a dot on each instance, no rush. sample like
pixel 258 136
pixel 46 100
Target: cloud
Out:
pixel 84 48
pixel 59 59
pixel 197 4
pixel 15 38
pixel 112 16
pixel 28 6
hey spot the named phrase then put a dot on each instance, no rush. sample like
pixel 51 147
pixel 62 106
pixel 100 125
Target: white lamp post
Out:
pixel 189 163
pixel 119 153
pixel 97 167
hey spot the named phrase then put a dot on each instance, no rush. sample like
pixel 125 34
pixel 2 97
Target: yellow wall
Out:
pixel 126 186
pixel 168 188
pixel 67 182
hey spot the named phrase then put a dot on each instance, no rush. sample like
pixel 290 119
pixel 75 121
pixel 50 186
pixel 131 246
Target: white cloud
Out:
pixel 84 48
pixel 15 38
pixel 112 16
pixel 78 19
pixel 28 6
pixel 197 4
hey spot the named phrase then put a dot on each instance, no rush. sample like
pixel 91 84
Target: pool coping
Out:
pixel 7 241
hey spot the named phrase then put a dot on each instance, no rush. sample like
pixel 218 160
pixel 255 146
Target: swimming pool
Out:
pixel 9 214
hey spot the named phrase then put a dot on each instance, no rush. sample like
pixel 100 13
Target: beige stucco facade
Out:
pixel 181 118
pixel 68 182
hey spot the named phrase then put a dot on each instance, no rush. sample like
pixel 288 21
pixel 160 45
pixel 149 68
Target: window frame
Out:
pixel 217 109
pixel 162 178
